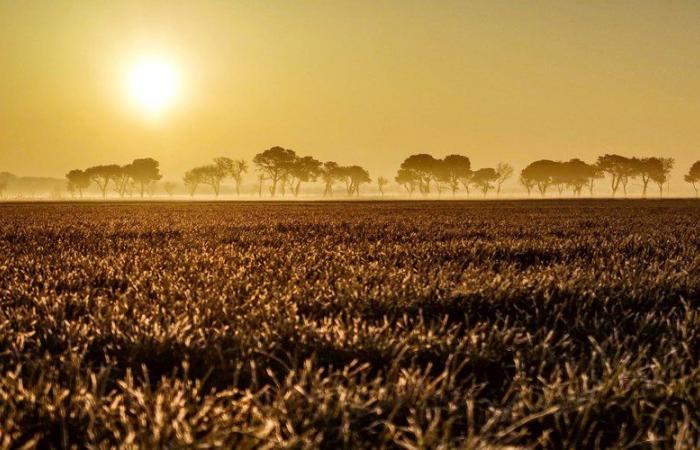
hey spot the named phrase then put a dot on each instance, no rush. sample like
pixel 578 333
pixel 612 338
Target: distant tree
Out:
pixel 662 174
pixel 539 173
pixel 381 182
pixel 482 179
pixel 620 169
pixel 122 181
pixel 455 170
pixel 301 170
pixel 577 174
pixel 527 183
pixel 238 168
pixel 169 188
pixel 102 175
pixel 212 175
pixel 693 176
pixel 330 173
pixel 504 171
pixel 354 177
pixel 78 180
pixel 193 178
pixel 409 179
pixel 275 164
pixel 425 168
pixel 143 172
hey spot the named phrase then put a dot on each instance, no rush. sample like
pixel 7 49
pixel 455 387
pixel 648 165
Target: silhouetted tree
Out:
pixel 409 179
pixel 301 170
pixel 78 180
pixel 527 183
pixel 275 164
pixel 661 175
pixel 483 179
pixel 354 177
pixel 381 182
pixel 424 167
pixel 620 169
pixel 576 174
pixel 504 171
pixel 169 188
pixel 143 172
pixel 539 173
pixel 102 175
pixel 455 169
pixel 330 174
pixel 693 176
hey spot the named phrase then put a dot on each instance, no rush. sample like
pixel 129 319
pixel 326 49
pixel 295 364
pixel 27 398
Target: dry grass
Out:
pixel 392 325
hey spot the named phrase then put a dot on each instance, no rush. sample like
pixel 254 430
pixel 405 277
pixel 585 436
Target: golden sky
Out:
pixel 366 82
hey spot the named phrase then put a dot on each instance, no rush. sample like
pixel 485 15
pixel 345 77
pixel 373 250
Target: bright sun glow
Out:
pixel 153 84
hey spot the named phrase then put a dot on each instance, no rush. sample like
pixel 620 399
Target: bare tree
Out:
pixel 503 171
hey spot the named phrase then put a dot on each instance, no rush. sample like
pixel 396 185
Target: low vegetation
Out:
pixel 350 325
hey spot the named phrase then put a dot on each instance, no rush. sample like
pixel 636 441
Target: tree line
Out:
pixel 281 171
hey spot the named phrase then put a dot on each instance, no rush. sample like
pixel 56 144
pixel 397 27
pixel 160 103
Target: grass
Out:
pixel 555 324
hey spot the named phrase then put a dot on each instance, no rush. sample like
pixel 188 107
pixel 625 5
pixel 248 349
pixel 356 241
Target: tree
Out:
pixel 354 177
pixel 693 176
pixel 169 188
pixel 102 175
pixel 483 178
pixel 143 172
pixel 77 181
pixel 576 174
pixel 455 169
pixel 409 179
pixel 330 174
pixel 238 168
pixel 275 164
pixel 539 173
pixel 504 171
pixel 662 174
pixel 304 169
pixel 425 168
pixel 193 178
pixel 620 169
pixel 381 182
pixel 527 183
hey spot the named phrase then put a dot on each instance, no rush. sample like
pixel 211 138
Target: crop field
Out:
pixel 555 324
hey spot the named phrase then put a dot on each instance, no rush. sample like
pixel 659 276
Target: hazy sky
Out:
pixel 364 82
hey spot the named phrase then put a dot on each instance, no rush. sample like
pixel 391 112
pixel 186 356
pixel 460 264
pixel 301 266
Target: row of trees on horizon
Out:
pixel 280 171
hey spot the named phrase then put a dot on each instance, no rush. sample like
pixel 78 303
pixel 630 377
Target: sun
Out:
pixel 153 83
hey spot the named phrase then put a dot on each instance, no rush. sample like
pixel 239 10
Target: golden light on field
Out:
pixel 153 84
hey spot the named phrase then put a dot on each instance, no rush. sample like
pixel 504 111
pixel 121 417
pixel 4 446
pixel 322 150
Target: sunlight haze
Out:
pixel 354 81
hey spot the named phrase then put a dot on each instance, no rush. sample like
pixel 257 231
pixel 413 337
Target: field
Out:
pixel 558 324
